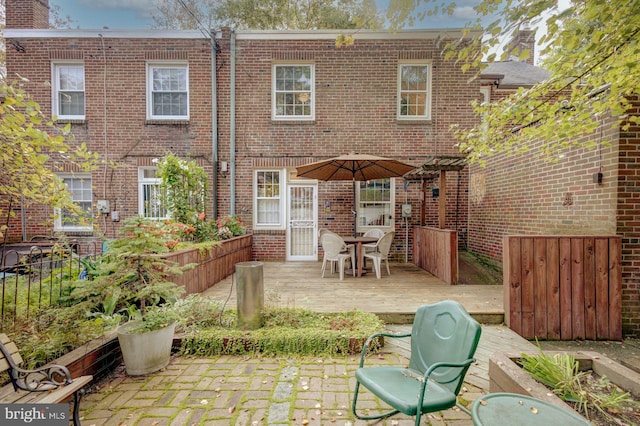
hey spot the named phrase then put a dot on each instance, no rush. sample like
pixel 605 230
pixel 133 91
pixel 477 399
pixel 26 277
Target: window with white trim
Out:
pixel 68 91
pixel 414 91
pixel 79 186
pixel 167 91
pixel 293 92
pixel 375 201
pixel 268 199
pixel 149 200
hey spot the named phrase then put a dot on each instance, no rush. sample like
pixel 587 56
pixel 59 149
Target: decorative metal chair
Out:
pixel 335 250
pixel 381 252
pixel 444 339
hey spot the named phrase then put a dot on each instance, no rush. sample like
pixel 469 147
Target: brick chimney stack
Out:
pixel 27 14
pixel 525 39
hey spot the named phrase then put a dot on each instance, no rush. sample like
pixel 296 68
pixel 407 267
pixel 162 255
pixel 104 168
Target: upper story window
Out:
pixel 375 201
pixel 167 91
pixel 268 199
pixel 79 186
pixel 149 200
pixel 68 91
pixel 414 91
pixel 293 92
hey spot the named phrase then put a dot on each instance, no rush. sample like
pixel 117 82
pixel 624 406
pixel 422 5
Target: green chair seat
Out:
pixel 399 388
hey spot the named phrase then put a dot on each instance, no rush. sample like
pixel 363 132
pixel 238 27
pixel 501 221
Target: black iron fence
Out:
pixel 34 276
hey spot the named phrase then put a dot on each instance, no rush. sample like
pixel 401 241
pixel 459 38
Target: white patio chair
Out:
pixel 381 252
pixel 335 250
pixel 348 248
pixel 369 247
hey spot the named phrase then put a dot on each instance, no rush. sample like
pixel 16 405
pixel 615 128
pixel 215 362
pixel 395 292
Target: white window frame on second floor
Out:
pixel 269 199
pixel 149 200
pixel 414 90
pixel 68 90
pixel 79 185
pixel 173 88
pixel 382 206
pixel 293 95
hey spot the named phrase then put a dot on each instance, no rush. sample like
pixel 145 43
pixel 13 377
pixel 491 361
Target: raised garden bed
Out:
pixel 506 375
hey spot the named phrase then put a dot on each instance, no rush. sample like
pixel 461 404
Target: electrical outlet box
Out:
pixel 115 216
pixel 103 206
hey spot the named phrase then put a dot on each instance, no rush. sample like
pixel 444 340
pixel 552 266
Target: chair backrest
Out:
pixel 375 233
pixel 332 244
pixel 384 243
pixel 321 232
pixel 443 331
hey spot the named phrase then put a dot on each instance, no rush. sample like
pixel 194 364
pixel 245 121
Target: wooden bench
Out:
pixel 50 384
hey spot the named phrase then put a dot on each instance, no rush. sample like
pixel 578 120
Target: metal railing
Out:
pixel 33 277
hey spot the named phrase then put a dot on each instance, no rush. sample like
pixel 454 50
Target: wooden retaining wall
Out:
pixel 213 266
pixel 436 251
pixel 563 287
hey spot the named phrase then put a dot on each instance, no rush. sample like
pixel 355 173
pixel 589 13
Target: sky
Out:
pixel 137 14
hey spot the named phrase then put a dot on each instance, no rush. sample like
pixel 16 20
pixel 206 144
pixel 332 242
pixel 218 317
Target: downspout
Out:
pixel 214 123
pixel 232 119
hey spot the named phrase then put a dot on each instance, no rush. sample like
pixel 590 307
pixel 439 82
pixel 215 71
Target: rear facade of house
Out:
pixel 248 107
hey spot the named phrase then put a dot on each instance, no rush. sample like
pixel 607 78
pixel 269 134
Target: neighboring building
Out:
pixel 281 99
pixel 523 194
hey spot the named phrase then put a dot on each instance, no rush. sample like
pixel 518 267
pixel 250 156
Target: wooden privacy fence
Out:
pixel 563 287
pixel 213 265
pixel 436 251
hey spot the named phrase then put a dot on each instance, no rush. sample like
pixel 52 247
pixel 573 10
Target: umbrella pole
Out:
pixel 355 209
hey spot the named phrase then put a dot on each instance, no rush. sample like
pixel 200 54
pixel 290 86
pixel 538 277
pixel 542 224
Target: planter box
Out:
pixel 212 266
pixel 505 375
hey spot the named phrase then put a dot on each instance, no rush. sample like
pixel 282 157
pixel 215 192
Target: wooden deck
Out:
pixel 395 298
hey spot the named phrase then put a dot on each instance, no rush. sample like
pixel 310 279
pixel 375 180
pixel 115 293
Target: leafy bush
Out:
pixel 286 331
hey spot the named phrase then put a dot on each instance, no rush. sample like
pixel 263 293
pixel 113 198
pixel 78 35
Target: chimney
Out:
pixel 525 39
pixel 26 14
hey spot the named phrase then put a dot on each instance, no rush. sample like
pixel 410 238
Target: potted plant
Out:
pixel 134 281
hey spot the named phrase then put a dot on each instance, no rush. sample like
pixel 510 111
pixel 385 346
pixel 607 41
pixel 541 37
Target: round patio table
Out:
pixel 496 409
pixel 358 241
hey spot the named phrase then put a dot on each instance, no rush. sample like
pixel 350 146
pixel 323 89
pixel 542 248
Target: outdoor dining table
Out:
pixel 358 241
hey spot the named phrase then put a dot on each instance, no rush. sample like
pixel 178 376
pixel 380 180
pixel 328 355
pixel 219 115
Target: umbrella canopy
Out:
pixel 354 167
pixel 358 167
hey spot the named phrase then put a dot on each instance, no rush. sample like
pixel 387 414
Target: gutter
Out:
pixel 214 123
pixel 232 123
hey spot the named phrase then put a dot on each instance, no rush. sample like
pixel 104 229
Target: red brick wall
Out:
pixel 523 194
pixel 27 13
pixel 356 92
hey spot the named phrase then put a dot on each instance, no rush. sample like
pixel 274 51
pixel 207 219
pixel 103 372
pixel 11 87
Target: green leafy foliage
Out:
pixel 32 147
pixel 561 373
pixel 286 331
pixel 591 48
pixel 268 14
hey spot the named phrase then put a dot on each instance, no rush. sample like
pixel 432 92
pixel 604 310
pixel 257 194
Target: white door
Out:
pixel 302 227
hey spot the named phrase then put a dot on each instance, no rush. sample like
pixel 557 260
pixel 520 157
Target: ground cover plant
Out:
pixel 285 331
pixel 596 398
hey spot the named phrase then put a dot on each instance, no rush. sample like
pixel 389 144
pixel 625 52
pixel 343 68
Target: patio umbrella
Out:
pixel 354 167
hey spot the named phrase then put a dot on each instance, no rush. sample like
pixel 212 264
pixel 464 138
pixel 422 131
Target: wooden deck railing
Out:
pixel 213 266
pixel 563 287
pixel 436 251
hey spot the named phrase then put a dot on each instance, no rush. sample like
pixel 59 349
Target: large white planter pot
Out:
pixel 144 353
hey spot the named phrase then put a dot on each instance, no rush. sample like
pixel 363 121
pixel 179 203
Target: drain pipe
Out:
pixel 232 119
pixel 214 123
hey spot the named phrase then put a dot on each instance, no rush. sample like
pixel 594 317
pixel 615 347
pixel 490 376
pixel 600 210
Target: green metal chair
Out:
pixel 444 339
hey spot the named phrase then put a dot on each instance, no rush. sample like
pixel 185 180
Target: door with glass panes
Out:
pixel 302 218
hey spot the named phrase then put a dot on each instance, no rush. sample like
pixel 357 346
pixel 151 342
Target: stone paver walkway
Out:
pixel 233 390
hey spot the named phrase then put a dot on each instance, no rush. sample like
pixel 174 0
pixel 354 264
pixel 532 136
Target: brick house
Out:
pixel 586 192
pixel 248 106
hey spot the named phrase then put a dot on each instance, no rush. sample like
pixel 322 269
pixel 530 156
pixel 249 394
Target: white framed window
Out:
pixel 167 91
pixel 149 200
pixel 375 200
pixel 79 186
pixel 414 91
pixel 268 199
pixel 293 92
pixel 68 90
